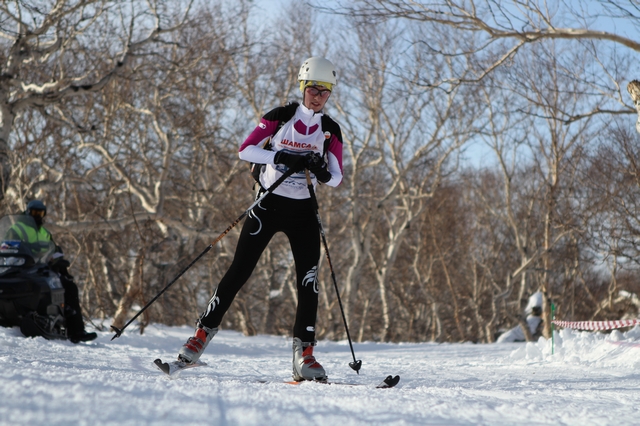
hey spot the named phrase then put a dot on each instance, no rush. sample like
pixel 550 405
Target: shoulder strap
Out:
pixel 288 111
pixel 328 125
pixel 282 114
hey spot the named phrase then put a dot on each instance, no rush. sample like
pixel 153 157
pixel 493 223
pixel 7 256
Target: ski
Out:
pixel 388 382
pixel 174 367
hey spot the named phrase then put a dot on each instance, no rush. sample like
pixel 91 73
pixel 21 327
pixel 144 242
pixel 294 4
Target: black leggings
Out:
pixel 297 219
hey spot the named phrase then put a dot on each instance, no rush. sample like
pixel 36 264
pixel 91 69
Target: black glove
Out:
pixel 60 266
pixel 292 161
pixel 316 165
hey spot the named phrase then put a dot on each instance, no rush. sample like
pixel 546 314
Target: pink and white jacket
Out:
pixel 300 135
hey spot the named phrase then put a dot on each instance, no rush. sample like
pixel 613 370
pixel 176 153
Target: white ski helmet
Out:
pixel 317 71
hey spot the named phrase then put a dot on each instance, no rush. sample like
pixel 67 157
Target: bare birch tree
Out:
pixel 58 49
pixel 133 168
pixel 402 140
pixel 499 33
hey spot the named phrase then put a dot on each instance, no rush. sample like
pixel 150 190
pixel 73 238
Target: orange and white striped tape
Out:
pixel 596 325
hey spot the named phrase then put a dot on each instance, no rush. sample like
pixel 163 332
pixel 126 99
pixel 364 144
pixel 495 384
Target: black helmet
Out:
pixel 36 205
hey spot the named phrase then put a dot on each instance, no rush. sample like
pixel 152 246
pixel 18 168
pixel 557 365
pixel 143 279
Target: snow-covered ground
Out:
pixel 591 379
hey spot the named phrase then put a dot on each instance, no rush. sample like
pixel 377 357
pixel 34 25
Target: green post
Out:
pixel 553 326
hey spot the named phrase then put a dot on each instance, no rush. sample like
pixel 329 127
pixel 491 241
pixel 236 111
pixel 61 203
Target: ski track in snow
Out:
pixel 591 379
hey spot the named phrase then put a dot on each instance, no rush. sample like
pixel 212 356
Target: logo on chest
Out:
pixel 303 129
pixel 299 145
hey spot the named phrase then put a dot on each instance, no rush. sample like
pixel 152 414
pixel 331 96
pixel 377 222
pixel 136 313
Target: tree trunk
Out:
pixel 131 293
pixel 6 123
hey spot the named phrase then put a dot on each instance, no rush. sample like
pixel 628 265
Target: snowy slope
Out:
pixel 590 379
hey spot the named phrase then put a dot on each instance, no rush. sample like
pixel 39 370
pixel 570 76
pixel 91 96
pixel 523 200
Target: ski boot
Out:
pixel 305 366
pixel 191 351
pixel 83 336
pixel 75 327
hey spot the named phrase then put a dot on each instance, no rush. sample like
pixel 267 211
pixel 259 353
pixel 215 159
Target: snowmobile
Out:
pixel 31 294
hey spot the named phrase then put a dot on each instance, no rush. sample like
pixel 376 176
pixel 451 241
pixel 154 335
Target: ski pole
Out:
pixel 268 191
pixel 355 364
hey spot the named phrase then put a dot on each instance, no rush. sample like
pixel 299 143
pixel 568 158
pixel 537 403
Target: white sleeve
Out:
pixel 256 154
pixel 334 169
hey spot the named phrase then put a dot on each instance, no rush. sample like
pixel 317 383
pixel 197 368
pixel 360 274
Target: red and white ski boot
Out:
pixel 305 366
pixel 195 346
